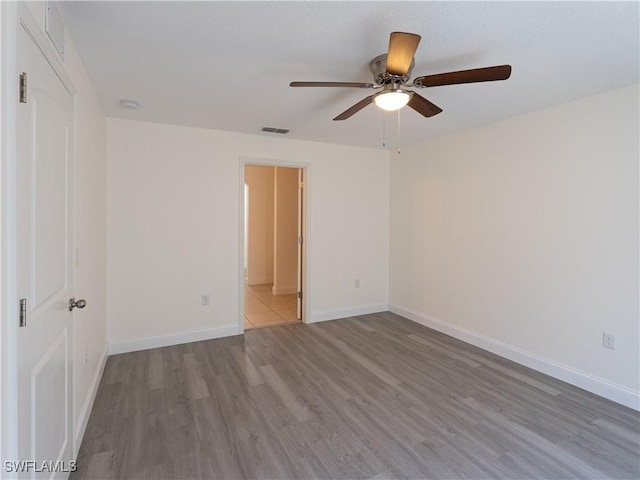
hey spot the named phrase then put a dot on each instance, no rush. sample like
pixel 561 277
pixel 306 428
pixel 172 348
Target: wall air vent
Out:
pixel 275 130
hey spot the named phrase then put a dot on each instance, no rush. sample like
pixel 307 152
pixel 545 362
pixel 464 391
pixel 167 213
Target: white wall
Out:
pixel 174 225
pixel 285 256
pixel 524 233
pixel 260 180
pixel 89 325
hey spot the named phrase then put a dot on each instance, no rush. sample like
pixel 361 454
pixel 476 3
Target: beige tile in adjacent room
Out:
pixel 256 308
pixel 262 293
pixel 289 314
pixel 250 298
pixel 263 309
pixel 276 302
pixel 261 319
pixel 282 303
pixel 268 300
pixel 260 288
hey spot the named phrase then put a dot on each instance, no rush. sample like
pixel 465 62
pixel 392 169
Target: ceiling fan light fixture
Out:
pixel 392 100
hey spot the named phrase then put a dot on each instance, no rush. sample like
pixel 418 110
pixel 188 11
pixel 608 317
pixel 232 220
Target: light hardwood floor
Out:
pixel 375 396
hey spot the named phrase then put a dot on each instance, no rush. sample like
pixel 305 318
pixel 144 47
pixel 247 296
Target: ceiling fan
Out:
pixel 391 74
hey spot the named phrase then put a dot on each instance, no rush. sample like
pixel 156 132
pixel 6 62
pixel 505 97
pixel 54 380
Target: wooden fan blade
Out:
pixel 331 84
pixel 423 106
pixel 402 47
pixel 355 108
pixel 487 74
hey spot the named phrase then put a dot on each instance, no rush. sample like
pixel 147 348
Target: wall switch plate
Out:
pixel 608 340
pixel 206 300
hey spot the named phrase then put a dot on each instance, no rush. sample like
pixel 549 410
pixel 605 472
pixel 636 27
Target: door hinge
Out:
pixel 300 185
pixel 300 295
pixel 23 87
pixel 23 312
pixel 300 240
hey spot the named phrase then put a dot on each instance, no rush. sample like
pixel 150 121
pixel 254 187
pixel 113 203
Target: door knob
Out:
pixel 76 303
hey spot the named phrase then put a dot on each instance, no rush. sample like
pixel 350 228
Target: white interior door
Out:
pixel 44 268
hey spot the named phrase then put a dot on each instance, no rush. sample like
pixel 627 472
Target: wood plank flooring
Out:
pixel 375 396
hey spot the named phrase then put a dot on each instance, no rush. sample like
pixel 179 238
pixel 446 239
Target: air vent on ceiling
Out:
pixel 275 130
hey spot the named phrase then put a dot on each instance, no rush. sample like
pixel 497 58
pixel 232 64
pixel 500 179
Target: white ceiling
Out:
pixel 227 65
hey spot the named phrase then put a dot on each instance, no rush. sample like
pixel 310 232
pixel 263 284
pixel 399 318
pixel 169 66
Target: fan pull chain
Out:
pixel 384 132
pixel 398 134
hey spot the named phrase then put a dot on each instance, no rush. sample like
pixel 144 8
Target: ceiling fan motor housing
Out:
pixel 378 67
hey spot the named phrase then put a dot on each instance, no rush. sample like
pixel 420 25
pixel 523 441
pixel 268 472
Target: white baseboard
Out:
pixel 599 386
pixel 125 346
pixel 346 312
pixel 259 280
pixel 83 418
pixel 283 290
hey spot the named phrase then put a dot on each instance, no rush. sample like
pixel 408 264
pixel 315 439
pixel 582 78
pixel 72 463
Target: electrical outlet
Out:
pixel 356 283
pixel 608 340
pixel 206 300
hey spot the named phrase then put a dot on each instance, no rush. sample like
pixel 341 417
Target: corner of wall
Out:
pixel 593 384
pixel 85 410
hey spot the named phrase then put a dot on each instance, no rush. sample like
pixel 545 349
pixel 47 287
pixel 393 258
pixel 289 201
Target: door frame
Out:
pixel 306 250
pixel 13 16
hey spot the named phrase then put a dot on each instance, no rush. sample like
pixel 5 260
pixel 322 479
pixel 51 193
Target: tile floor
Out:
pixel 263 309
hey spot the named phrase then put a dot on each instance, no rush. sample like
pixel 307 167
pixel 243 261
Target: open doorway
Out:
pixel 273 266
